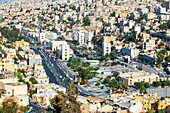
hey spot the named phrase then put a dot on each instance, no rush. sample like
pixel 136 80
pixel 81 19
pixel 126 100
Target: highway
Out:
pixel 47 70
pixel 56 68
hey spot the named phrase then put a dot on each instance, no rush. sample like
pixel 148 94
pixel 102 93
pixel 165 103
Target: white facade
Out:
pixel 133 106
pixel 82 36
pixel 133 52
pixel 149 44
pixel 161 10
pixel 106 48
pixel 63 49
pixel 66 52
pixel 138 29
pixel 56 45
pixel 42 37
pixel 14 89
pixel 131 24
pixel 46 36
pixel 45 92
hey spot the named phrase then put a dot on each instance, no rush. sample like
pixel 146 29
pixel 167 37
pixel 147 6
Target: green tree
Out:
pixel 33 80
pixel 147 85
pixel 86 64
pixel 113 55
pixel 111 42
pixel 63 103
pixel 86 21
pixel 107 80
pixel 151 111
pixel 115 74
pixel 10 106
pixel 156 83
pixel 160 111
pixel 160 58
pixel 112 14
pixel 141 85
pixel 163 26
pixel 97 84
pixel 167 59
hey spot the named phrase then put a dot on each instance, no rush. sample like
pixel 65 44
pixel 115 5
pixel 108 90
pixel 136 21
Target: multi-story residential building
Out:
pixel 92 104
pixel 63 49
pixel 151 16
pixel 106 47
pixel 40 74
pixel 45 92
pixel 109 39
pixel 145 35
pixel 42 37
pixel 66 52
pixel 137 29
pixel 149 44
pixel 153 101
pixel 22 65
pixel 83 36
pixel 34 59
pixel 7 64
pixel 161 10
pixel 46 36
pixel 22 44
pixel 56 45
pixel 15 90
pixel 126 105
pixel 11 53
pixel 132 52
pixel 131 77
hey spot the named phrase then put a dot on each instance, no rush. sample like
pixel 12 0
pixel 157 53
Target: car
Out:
pixel 67 75
pixel 70 78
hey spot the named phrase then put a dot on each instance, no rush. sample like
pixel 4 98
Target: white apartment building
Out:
pixel 66 52
pixel 133 52
pixel 46 36
pixel 63 49
pixel 82 36
pixel 137 29
pixel 79 36
pixel 106 48
pixel 149 44
pixel 56 45
pixel 42 37
pixel 161 9
pixel 14 90
pixel 131 24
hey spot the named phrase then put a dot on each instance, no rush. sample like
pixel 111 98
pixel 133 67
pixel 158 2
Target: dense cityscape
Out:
pixel 85 56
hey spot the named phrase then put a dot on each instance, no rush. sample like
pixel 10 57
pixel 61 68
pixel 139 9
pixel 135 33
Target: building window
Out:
pixel 156 78
pixel 21 100
pixel 130 82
